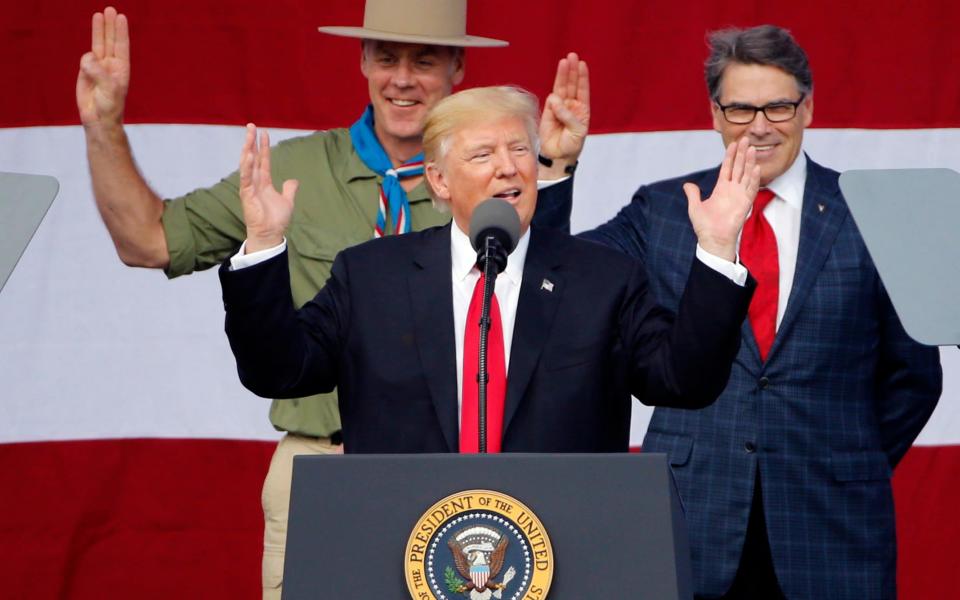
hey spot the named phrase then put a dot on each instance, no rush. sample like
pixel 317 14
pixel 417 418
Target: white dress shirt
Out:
pixel 784 214
pixel 464 279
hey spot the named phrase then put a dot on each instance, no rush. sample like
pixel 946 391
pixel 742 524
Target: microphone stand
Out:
pixel 493 259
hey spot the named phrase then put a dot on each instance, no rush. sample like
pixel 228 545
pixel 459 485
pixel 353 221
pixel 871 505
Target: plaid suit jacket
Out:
pixel 842 396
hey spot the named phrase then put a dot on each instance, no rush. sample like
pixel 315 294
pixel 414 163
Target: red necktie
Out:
pixel 758 252
pixel 496 368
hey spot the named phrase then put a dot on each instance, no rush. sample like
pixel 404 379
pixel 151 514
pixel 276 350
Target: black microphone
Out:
pixel 497 219
pixel 494 233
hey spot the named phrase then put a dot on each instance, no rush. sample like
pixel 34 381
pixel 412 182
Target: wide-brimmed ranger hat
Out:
pixel 437 22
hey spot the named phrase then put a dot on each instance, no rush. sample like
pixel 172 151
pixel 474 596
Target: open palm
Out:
pixel 718 220
pixel 266 211
pixel 566 112
pixel 104 76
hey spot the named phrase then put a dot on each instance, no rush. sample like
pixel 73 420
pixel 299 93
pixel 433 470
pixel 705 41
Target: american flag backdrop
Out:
pixel 131 459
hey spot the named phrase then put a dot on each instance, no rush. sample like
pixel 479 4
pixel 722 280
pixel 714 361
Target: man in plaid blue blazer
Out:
pixel 786 478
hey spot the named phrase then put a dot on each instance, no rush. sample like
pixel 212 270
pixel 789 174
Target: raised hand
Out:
pixel 105 71
pixel 266 212
pixel 718 220
pixel 566 112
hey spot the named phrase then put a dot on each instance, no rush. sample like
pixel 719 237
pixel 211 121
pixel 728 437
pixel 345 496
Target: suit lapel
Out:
pixel 823 212
pixel 431 295
pixel 540 293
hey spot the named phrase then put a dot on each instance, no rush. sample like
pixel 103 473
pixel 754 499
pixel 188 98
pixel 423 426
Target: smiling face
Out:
pixel 405 81
pixel 492 158
pixel 777 144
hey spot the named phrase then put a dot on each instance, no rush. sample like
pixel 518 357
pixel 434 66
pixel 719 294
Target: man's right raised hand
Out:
pixel 131 210
pixel 105 72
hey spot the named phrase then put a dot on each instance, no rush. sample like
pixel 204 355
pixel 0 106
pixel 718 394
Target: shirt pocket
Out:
pixel 312 249
pixel 316 242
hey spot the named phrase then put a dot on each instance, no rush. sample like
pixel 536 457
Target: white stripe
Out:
pixel 92 349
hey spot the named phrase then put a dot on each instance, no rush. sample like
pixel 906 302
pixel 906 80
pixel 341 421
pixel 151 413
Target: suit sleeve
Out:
pixel 909 382
pixel 554 204
pixel 282 352
pixel 626 231
pixel 684 361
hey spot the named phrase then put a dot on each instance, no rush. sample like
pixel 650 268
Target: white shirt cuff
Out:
pixel 545 183
pixel 241 260
pixel 733 271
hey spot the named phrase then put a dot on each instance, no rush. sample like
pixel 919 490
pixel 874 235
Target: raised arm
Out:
pixel 696 354
pixel 280 352
pixel 129 208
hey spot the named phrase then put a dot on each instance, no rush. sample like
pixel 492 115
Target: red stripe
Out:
pixel 927 494
pixel 377 230
pixel 209 61
pixel 132 519
pixel 181 518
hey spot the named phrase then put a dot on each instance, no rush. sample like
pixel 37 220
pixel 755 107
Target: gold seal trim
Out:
pixel 461 505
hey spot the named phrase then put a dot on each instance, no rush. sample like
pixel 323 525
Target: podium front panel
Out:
pixel 614 521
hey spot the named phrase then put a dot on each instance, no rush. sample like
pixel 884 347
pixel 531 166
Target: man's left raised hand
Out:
pixel 566 117
pixel 266 211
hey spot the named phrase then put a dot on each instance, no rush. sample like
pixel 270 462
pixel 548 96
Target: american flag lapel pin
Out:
pixel 546 285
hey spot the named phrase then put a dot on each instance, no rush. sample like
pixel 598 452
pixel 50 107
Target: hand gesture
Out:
pixel 718 220
pixel 105 71
pixel 265 211
pixel 566 112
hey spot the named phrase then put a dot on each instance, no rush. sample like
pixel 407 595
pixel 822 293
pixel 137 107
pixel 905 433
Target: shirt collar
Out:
pixel 464 257
pixel 352 168
pixel 789 186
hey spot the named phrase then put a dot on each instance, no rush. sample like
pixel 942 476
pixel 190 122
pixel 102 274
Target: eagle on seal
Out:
pixel 479 562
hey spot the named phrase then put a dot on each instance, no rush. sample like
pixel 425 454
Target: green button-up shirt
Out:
pixel 336 207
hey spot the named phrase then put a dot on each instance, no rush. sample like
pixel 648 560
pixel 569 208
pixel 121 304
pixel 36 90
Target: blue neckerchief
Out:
pixel 372 154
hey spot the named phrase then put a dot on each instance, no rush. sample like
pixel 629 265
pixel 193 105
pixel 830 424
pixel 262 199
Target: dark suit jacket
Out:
pixel 382 331
pixel 838 402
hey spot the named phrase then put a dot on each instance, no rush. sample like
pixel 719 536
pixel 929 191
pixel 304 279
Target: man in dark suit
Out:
pixel 786 478
pixel 572 320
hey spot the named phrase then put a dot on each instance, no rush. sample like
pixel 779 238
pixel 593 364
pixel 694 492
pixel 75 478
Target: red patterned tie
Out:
pixel 758 252
pixel 496 368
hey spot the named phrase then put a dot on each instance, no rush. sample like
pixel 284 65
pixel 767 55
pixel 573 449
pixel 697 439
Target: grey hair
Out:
pixel 762 45
pixel 367 47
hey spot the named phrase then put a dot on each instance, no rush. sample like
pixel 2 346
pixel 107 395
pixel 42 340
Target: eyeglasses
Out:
pixel 775 112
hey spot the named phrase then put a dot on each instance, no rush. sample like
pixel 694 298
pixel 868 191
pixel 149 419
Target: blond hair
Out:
pixel 472 106
pixel 477 105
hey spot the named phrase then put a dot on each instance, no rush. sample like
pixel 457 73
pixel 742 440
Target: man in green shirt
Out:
pixel 353 184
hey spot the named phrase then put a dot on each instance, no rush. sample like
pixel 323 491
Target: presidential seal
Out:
pixel 479 545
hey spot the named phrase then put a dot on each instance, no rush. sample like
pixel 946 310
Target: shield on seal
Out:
pixel 479 574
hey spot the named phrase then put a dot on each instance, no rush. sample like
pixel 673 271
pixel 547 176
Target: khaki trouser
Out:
pixel 276 504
